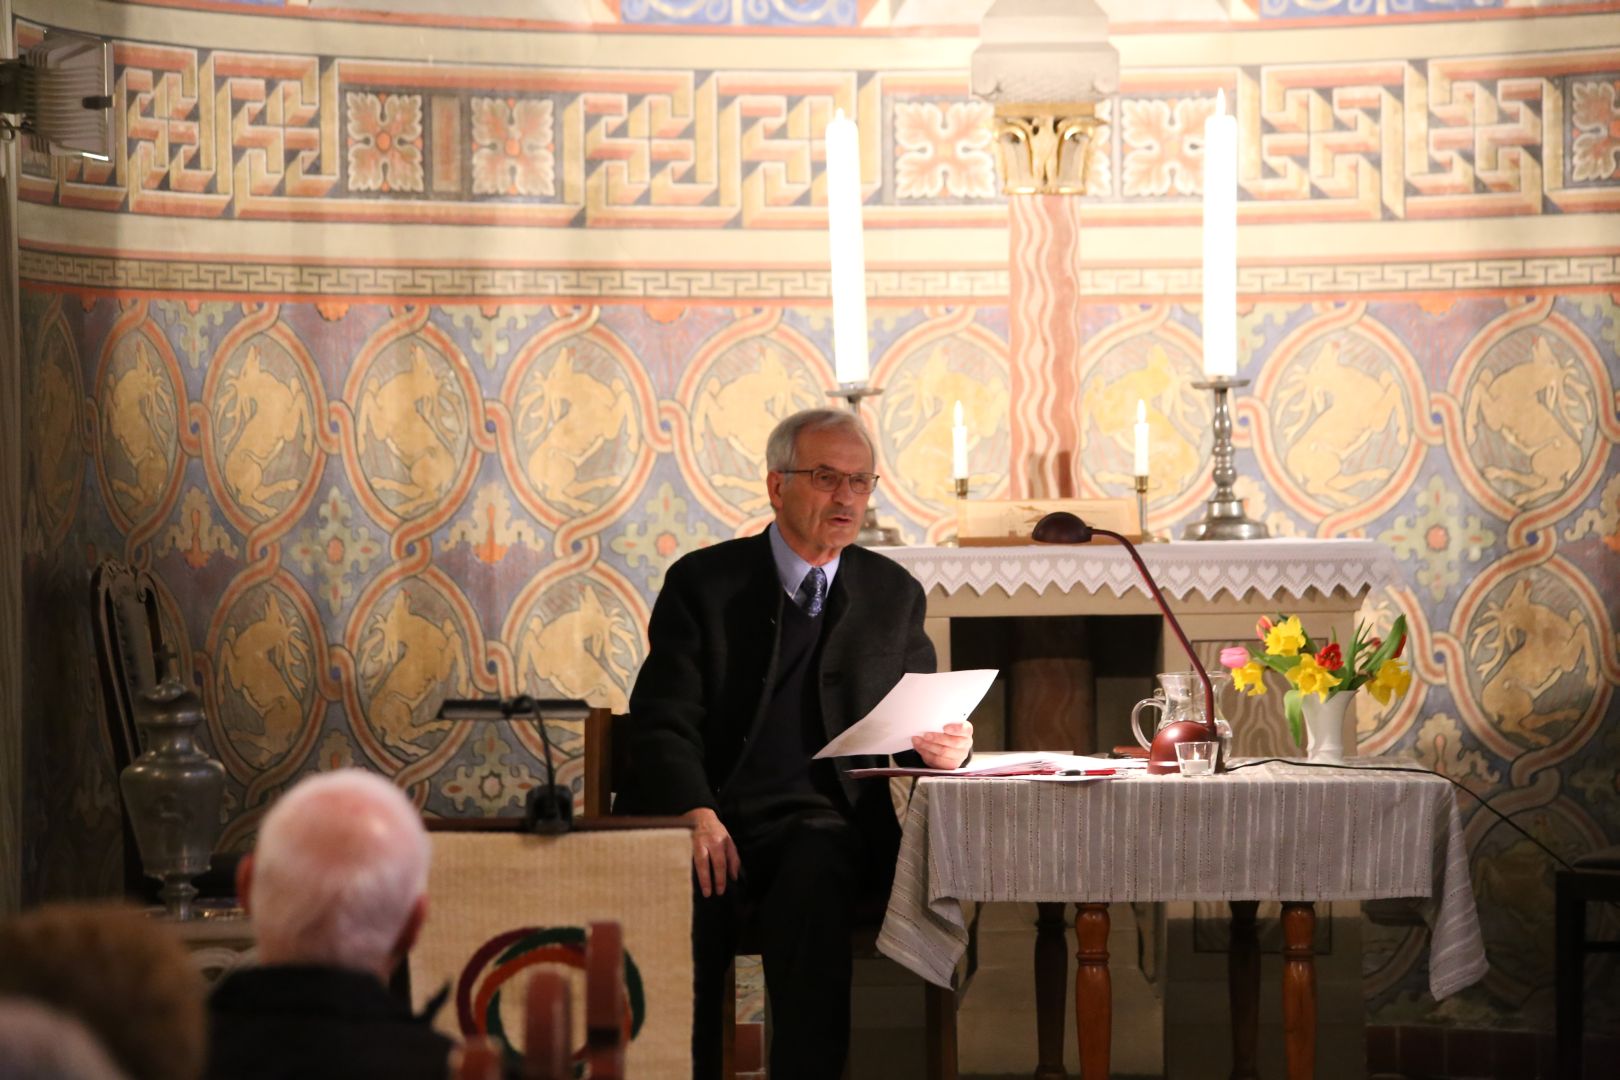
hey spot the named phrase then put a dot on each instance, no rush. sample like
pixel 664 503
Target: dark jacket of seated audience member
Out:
pixel 311 1023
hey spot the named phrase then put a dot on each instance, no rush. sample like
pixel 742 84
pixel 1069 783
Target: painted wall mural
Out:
pixel 367 482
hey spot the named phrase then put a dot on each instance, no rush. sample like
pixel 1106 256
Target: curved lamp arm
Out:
pixel 1062 527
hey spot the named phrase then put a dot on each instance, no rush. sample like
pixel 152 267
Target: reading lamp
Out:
pixel 1062 527
pixel 60 92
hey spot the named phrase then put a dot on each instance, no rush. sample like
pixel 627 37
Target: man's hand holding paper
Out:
pixel 946 748
pixel 925 713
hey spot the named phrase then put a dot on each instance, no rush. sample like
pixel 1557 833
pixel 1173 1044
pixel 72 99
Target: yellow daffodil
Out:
pixel 1311 677
pixel 1392 678
pixel 1250 677
pixel 1286 638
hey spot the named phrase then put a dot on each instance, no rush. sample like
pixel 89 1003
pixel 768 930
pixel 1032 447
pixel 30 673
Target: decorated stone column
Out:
pixel 1045 65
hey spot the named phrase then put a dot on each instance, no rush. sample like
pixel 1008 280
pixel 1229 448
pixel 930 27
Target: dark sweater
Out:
pixel 778 775
pixel 315 1023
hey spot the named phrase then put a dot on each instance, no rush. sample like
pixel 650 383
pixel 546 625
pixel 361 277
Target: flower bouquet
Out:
pixel 1324 671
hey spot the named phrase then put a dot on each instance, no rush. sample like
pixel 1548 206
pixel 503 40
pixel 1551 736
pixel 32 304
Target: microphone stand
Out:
pixel 1062 527
pixel 550 806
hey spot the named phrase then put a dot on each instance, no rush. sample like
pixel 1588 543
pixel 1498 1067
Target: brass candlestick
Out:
pixel 959 485
pixel 1224 518
pixel 872 534
pixel 1148 537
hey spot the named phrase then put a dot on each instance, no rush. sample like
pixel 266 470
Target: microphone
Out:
pixel 550 806
pixel 1062 527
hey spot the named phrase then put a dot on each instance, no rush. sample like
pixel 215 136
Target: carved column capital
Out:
pixel 1044 147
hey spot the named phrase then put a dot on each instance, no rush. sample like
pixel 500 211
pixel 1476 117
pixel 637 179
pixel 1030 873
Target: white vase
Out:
pixel 1324 727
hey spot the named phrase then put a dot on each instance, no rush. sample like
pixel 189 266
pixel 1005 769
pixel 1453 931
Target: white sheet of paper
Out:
pixel 918 703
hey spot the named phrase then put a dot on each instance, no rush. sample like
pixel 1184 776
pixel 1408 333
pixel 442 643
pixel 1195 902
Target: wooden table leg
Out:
pixel 1051 988
pixel 1093 991
pixel 1243 989
pixel 1299 988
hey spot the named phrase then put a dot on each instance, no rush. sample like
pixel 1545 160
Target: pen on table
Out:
pixel 1087 772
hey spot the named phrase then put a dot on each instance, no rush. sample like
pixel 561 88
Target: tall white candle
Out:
pixel 1220 242
pixel 959 464
pixel 850 363
pixel 1141 438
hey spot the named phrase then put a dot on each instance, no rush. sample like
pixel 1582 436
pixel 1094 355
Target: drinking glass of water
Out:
pixel 1196 758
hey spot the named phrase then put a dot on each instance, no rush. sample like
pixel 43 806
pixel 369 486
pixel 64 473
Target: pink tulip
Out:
pixel 1234 656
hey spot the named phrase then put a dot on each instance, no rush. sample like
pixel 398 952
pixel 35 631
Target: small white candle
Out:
pixel 1220 242
pixel 843 141
pixel 959 464
pixel 1141 438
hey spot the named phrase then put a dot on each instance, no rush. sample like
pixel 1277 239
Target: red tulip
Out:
pixel 1331 657
pixel 1262 628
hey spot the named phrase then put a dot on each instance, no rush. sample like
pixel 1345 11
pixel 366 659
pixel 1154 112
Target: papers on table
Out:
pixel 918 703
pixel 1031 765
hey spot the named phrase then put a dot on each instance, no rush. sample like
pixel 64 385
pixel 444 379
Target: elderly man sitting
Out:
pixel 337 891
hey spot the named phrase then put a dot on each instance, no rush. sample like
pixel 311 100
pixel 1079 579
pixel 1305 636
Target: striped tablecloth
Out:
pixel 1269 832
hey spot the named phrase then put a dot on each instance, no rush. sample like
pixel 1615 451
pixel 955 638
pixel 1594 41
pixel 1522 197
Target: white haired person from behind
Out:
pixel 337 889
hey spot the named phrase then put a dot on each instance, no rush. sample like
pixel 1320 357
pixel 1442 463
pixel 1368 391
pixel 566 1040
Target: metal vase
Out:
pixel 172 792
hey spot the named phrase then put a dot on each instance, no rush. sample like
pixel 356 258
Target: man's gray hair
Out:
pixel 342 859
pixel 784 440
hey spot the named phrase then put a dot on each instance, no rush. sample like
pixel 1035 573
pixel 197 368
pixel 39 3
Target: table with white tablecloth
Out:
pixel 1272 831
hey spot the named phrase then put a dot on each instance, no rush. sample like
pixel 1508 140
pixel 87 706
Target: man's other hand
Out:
pixel 945 749
pixel 714 855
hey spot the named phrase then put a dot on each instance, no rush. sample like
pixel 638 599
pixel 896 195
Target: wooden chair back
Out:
pixel 605 1022
pixel 130 651
pixel 547 1022
pixel 131 656
pixel 602 762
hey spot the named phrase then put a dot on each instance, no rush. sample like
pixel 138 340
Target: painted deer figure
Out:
pixel 267 415
pixel 412 658
pixel 1528 406
pixel 1530 647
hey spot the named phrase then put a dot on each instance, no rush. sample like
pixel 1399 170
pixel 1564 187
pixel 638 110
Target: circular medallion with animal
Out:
pixel 412 655
pixel 1532 659
pixel 263 426
pixel 54 459
pixel 1158 370
pixel 919 402
pixel 579 640
pixel 1341 419
pixel 578 426
pixel 139 439
pixel 1529 416
pixel 411 425
pixel 264 674
pixel 745 391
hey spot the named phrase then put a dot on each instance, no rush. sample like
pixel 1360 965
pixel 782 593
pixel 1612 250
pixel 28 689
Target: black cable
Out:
pixel 1559 859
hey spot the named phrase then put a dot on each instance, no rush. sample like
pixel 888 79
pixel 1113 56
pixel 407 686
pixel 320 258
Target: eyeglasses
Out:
pixel 861 483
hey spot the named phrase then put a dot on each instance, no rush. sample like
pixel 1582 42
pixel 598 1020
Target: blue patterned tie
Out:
pixel 812 592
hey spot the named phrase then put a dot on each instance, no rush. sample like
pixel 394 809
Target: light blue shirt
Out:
pixel 790 569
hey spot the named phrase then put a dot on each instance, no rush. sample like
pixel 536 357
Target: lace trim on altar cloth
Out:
pixel 1207 567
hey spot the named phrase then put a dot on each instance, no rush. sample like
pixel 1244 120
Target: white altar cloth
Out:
pixel 1267 568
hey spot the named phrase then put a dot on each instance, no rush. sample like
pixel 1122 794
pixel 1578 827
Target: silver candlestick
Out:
pixel 872 534
pixel 1224 518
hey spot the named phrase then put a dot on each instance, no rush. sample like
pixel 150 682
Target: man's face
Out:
pixel 819 524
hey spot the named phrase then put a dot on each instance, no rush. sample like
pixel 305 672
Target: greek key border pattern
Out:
pixel 106 273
